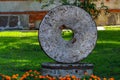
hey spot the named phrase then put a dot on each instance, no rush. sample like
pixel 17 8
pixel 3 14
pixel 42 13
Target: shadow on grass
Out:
pixel 18 55
pixel 105 58
pixel 106 54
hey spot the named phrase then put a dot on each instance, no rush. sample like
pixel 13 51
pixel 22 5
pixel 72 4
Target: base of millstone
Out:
pixel 58 69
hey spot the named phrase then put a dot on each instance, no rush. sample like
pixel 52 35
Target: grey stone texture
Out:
pixel 76 19
pixel 57 70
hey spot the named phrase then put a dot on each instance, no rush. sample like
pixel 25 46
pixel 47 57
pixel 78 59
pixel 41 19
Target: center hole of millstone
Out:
pixel 66 33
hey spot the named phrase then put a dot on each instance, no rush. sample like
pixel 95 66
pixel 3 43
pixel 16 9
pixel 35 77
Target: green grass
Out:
pixel 106 55
pixel 20 51
pixel 112 27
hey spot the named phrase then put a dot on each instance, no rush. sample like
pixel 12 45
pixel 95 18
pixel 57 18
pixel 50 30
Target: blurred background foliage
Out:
pixel 87 5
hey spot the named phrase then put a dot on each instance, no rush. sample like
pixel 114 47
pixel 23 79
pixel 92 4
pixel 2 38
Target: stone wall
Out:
pixel 112 4
pixel 113 17
pixel 25 20
pixel 28 14
pixel 10 22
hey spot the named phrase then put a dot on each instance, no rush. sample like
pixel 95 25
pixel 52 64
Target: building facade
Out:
pixel 113 17
pixel 20 14
pixel 27 14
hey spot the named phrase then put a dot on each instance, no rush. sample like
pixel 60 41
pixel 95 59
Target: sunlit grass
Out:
pixel 20 51
pixel 112 27
pixel 113 42
pixel 67 34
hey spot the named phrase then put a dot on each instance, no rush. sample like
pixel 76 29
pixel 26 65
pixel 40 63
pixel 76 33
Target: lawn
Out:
pixel 20 52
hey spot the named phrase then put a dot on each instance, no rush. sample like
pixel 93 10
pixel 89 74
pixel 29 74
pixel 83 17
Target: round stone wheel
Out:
pixel 75 19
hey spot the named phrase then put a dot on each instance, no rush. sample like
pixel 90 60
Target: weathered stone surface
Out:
pixel 57 70
pixel 76 19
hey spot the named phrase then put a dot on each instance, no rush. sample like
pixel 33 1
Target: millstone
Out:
pixel 67 17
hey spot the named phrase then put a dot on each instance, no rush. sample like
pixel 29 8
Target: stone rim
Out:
pixel 67 66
